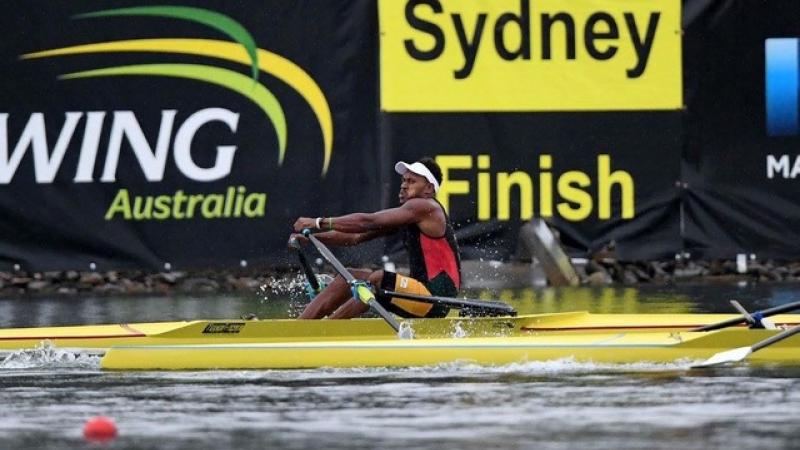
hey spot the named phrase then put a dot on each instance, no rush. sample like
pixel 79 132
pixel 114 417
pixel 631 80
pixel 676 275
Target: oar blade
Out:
pixel 726 357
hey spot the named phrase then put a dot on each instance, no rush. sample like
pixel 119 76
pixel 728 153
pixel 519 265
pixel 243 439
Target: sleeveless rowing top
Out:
pixel 431 259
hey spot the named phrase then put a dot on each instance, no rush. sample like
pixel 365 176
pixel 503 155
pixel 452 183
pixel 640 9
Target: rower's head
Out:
pixel 421 179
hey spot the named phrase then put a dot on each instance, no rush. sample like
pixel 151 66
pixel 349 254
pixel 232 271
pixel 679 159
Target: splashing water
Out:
pixel 48 355
pixel 458 331
pixel 559 366
pixel 282 285
pixel 405 331
pixel 292 286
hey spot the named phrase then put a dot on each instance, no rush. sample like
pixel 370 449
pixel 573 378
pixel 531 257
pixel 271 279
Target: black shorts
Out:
pixel 440 285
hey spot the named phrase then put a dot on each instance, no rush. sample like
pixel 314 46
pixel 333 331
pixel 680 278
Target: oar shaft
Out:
pixel 777 338
pixel 325 252
pixel 310 275
pixel 454 302
pixel 342 270
pixel 741 319
pixel 387 316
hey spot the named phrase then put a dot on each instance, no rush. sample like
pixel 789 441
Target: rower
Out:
pixel 429 239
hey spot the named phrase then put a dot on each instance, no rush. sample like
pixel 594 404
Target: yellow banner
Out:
pixel 524 55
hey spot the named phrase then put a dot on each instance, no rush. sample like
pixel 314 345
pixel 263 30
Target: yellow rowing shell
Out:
pixel 602 347
pixel 209 332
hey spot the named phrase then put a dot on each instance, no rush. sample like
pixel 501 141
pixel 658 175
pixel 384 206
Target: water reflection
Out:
pixel 600 300
pixel 676 298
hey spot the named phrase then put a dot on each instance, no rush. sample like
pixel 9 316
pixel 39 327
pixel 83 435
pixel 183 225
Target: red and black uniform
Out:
pixel 435 267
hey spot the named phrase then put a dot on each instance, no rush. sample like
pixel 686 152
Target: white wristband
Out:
pixel 318 224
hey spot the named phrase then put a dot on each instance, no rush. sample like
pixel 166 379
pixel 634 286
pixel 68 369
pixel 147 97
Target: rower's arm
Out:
pixel 353 229
pixel 383 221
pixel 340 239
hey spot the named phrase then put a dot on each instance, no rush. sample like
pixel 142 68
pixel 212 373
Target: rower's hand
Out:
pixel 305 222
pixel 297 240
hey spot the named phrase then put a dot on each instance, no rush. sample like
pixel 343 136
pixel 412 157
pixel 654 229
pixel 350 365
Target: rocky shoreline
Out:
pixel 73 282
pixel 594 272
pixel 608 271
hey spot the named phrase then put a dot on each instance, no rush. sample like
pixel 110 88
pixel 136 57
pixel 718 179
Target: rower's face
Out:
pixel 413 186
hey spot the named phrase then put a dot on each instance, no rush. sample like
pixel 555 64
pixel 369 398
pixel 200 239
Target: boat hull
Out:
pixel 208 332
pixel 617 348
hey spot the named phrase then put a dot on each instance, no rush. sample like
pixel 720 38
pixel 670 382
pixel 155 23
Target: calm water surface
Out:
pixel 563 404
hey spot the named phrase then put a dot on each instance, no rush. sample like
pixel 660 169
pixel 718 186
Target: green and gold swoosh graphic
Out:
pixel 206 17
pixel 268 62
pixel 215 75
pixel 243 51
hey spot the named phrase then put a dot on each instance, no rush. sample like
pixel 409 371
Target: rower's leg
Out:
pixel 351 308
pixel 332 297
pixel 355 307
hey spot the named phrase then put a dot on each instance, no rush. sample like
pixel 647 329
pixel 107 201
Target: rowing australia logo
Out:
pixel 223 328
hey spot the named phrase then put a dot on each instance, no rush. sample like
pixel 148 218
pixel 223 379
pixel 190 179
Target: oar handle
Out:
pixel 311 277
pixel 741 319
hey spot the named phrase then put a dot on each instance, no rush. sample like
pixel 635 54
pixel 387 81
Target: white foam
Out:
pixel 46 355
pixel 565 366
pixel 406 331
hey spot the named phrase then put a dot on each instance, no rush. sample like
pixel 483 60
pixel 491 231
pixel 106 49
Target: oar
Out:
pixel 489 307
pixel 310 275
pixel 360 289
pixel 738 354
pixel 757 316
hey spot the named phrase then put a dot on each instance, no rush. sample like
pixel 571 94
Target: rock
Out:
pixel 38 285
pixel 199 285
pixel 641 275
pixel 91 279
pixel 593 266
pixel 109 288
pixel 72 275
pixel 243 283
pixel 599 278
pixel 20 281
pixel 168 277
pixel 659 271
pixel 691 270
pixel 133 287
pixel 53 275
pixel 628 277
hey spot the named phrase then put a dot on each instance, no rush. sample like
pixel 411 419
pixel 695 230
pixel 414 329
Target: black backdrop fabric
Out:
pixel 62 223
pixel 731 204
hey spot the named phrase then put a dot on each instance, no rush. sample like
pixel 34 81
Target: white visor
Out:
pixel 419 169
